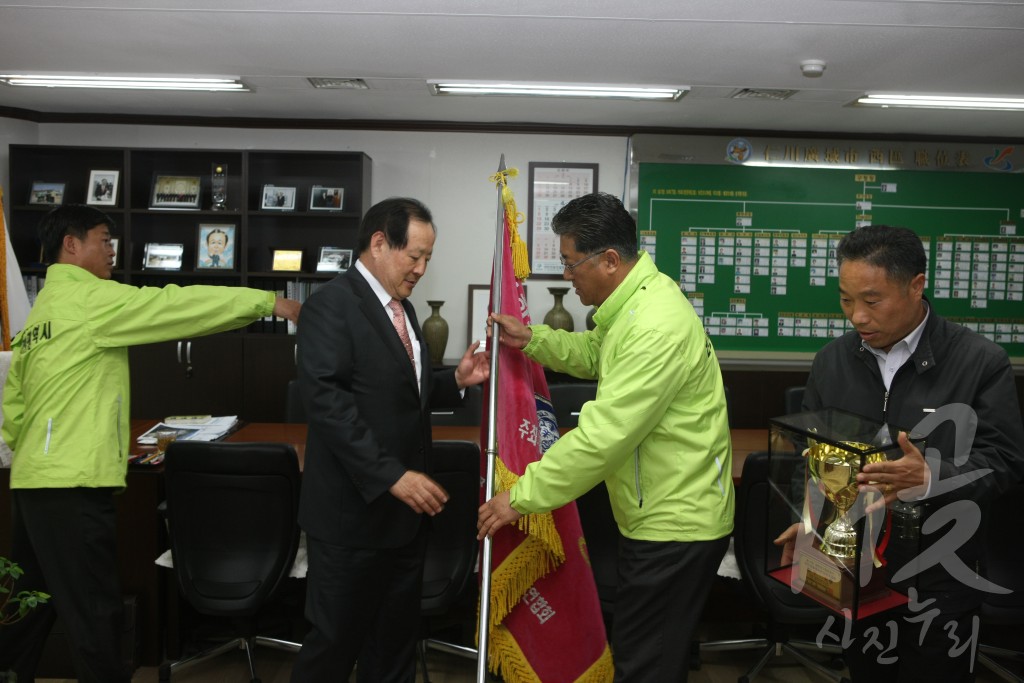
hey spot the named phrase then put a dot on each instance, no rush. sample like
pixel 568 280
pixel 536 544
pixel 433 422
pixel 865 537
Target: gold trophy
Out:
pixel 835 470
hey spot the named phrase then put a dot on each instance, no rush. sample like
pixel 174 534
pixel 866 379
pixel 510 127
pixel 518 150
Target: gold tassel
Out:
pixel 520 255
pixel 538 525
pixel 506 658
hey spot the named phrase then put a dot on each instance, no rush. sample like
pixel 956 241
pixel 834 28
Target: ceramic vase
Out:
pixel 435 332
pixel 559 318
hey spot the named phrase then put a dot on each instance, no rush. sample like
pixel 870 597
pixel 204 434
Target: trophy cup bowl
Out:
pixel 835 471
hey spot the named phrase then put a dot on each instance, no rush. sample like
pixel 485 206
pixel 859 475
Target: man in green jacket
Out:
pixel 65 407
pixel 657 434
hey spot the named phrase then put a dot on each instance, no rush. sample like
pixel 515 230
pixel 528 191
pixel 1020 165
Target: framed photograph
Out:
pixel 278 198
pixel 102 188
pixel 287 260
pixel 334 259
pixel 215 247
pixel 115 242
pixel 476 326
pixel 552 185
pixel 175 192
pixel 163 256
pixel 323 198
pixel 49 194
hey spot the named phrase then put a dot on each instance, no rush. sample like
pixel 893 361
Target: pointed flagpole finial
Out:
pixel 501 163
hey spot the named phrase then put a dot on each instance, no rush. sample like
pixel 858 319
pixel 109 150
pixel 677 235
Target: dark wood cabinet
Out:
pixel 241 373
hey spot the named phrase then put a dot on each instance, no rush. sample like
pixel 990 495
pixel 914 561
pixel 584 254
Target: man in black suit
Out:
pixel 367 490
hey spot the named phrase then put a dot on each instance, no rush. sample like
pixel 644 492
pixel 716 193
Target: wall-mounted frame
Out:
pixel 48 194
pixel 215 246
pixel 102 188
pixel 175 192
pixel 552 185
pixel 476 323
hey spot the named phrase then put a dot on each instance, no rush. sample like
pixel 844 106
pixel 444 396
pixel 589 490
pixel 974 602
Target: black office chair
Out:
pixel 295 409
pixel 602 534
pixel 1004 612
pixel 451 548
pixel 568 400
pixel 794 400
pixel 232 515
pixel 466 415
pixel 753 533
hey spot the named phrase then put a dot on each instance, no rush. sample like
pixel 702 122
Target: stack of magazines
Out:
pixel 192 428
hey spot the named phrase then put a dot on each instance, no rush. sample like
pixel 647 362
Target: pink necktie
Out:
pixel 403 333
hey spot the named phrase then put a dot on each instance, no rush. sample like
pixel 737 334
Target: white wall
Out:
pixel 447 171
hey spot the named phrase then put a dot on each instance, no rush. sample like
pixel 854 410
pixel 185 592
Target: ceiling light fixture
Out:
pixel 655 93
pixel 125 82
pixel 941 102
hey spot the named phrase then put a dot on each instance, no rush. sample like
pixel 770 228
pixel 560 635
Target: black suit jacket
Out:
pixel 368 423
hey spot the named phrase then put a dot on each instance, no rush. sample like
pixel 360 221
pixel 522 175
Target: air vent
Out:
pixel 338 83
pixel 762 94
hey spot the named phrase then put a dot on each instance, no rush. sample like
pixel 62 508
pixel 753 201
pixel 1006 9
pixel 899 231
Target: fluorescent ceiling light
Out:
pixel 657 93
pixel 942 102
pixel 125 82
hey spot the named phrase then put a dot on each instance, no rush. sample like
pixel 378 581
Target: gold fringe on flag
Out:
pixel 539 554
pixel 520 256
pixel 5 314
pixel 505 658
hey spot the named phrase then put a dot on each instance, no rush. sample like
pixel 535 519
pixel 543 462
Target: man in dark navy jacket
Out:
pixel 906 366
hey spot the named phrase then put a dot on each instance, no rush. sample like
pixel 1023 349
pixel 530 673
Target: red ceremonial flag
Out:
pixel 546 622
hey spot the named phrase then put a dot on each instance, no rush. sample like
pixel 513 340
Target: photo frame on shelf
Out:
pixel 102 188
pixel 323 198
pixel 278 198
pixel 334 260
pixel 552 185
pixel 175 192
pixel 115 243
pixel 162 256
pixel 48 194
pixel 287 260
pixel 215 246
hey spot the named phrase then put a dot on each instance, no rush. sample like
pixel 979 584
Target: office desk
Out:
pixel 141 536
pixel 744 441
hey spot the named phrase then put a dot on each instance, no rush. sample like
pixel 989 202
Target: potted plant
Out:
pixel 14 606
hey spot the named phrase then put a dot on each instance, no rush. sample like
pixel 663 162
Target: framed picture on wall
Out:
pixel 175 192
pixel 102 188
pixel 476 324
pixel 215 246
pixel 552 186
pixel 278 198
pixel 323 198
pixel 49 194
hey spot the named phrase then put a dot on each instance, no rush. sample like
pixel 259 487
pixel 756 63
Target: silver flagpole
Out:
pixel 483 629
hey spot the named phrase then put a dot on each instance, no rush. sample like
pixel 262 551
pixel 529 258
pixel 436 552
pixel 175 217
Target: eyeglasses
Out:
pixel 579 263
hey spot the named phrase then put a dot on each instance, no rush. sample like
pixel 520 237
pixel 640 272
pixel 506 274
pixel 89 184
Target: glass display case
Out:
pixel 842 554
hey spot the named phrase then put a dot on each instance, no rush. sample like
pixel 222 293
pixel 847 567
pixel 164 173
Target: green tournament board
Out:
pixel 753 246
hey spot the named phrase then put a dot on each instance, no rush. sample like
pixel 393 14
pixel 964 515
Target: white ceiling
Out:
pixel 717 47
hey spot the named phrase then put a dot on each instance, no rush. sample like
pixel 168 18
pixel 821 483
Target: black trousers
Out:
pixel 363 604
pixel 662 590
pixel 64 540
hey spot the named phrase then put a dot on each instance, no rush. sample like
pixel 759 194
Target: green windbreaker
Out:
pixel 66 400
pixel 657 432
